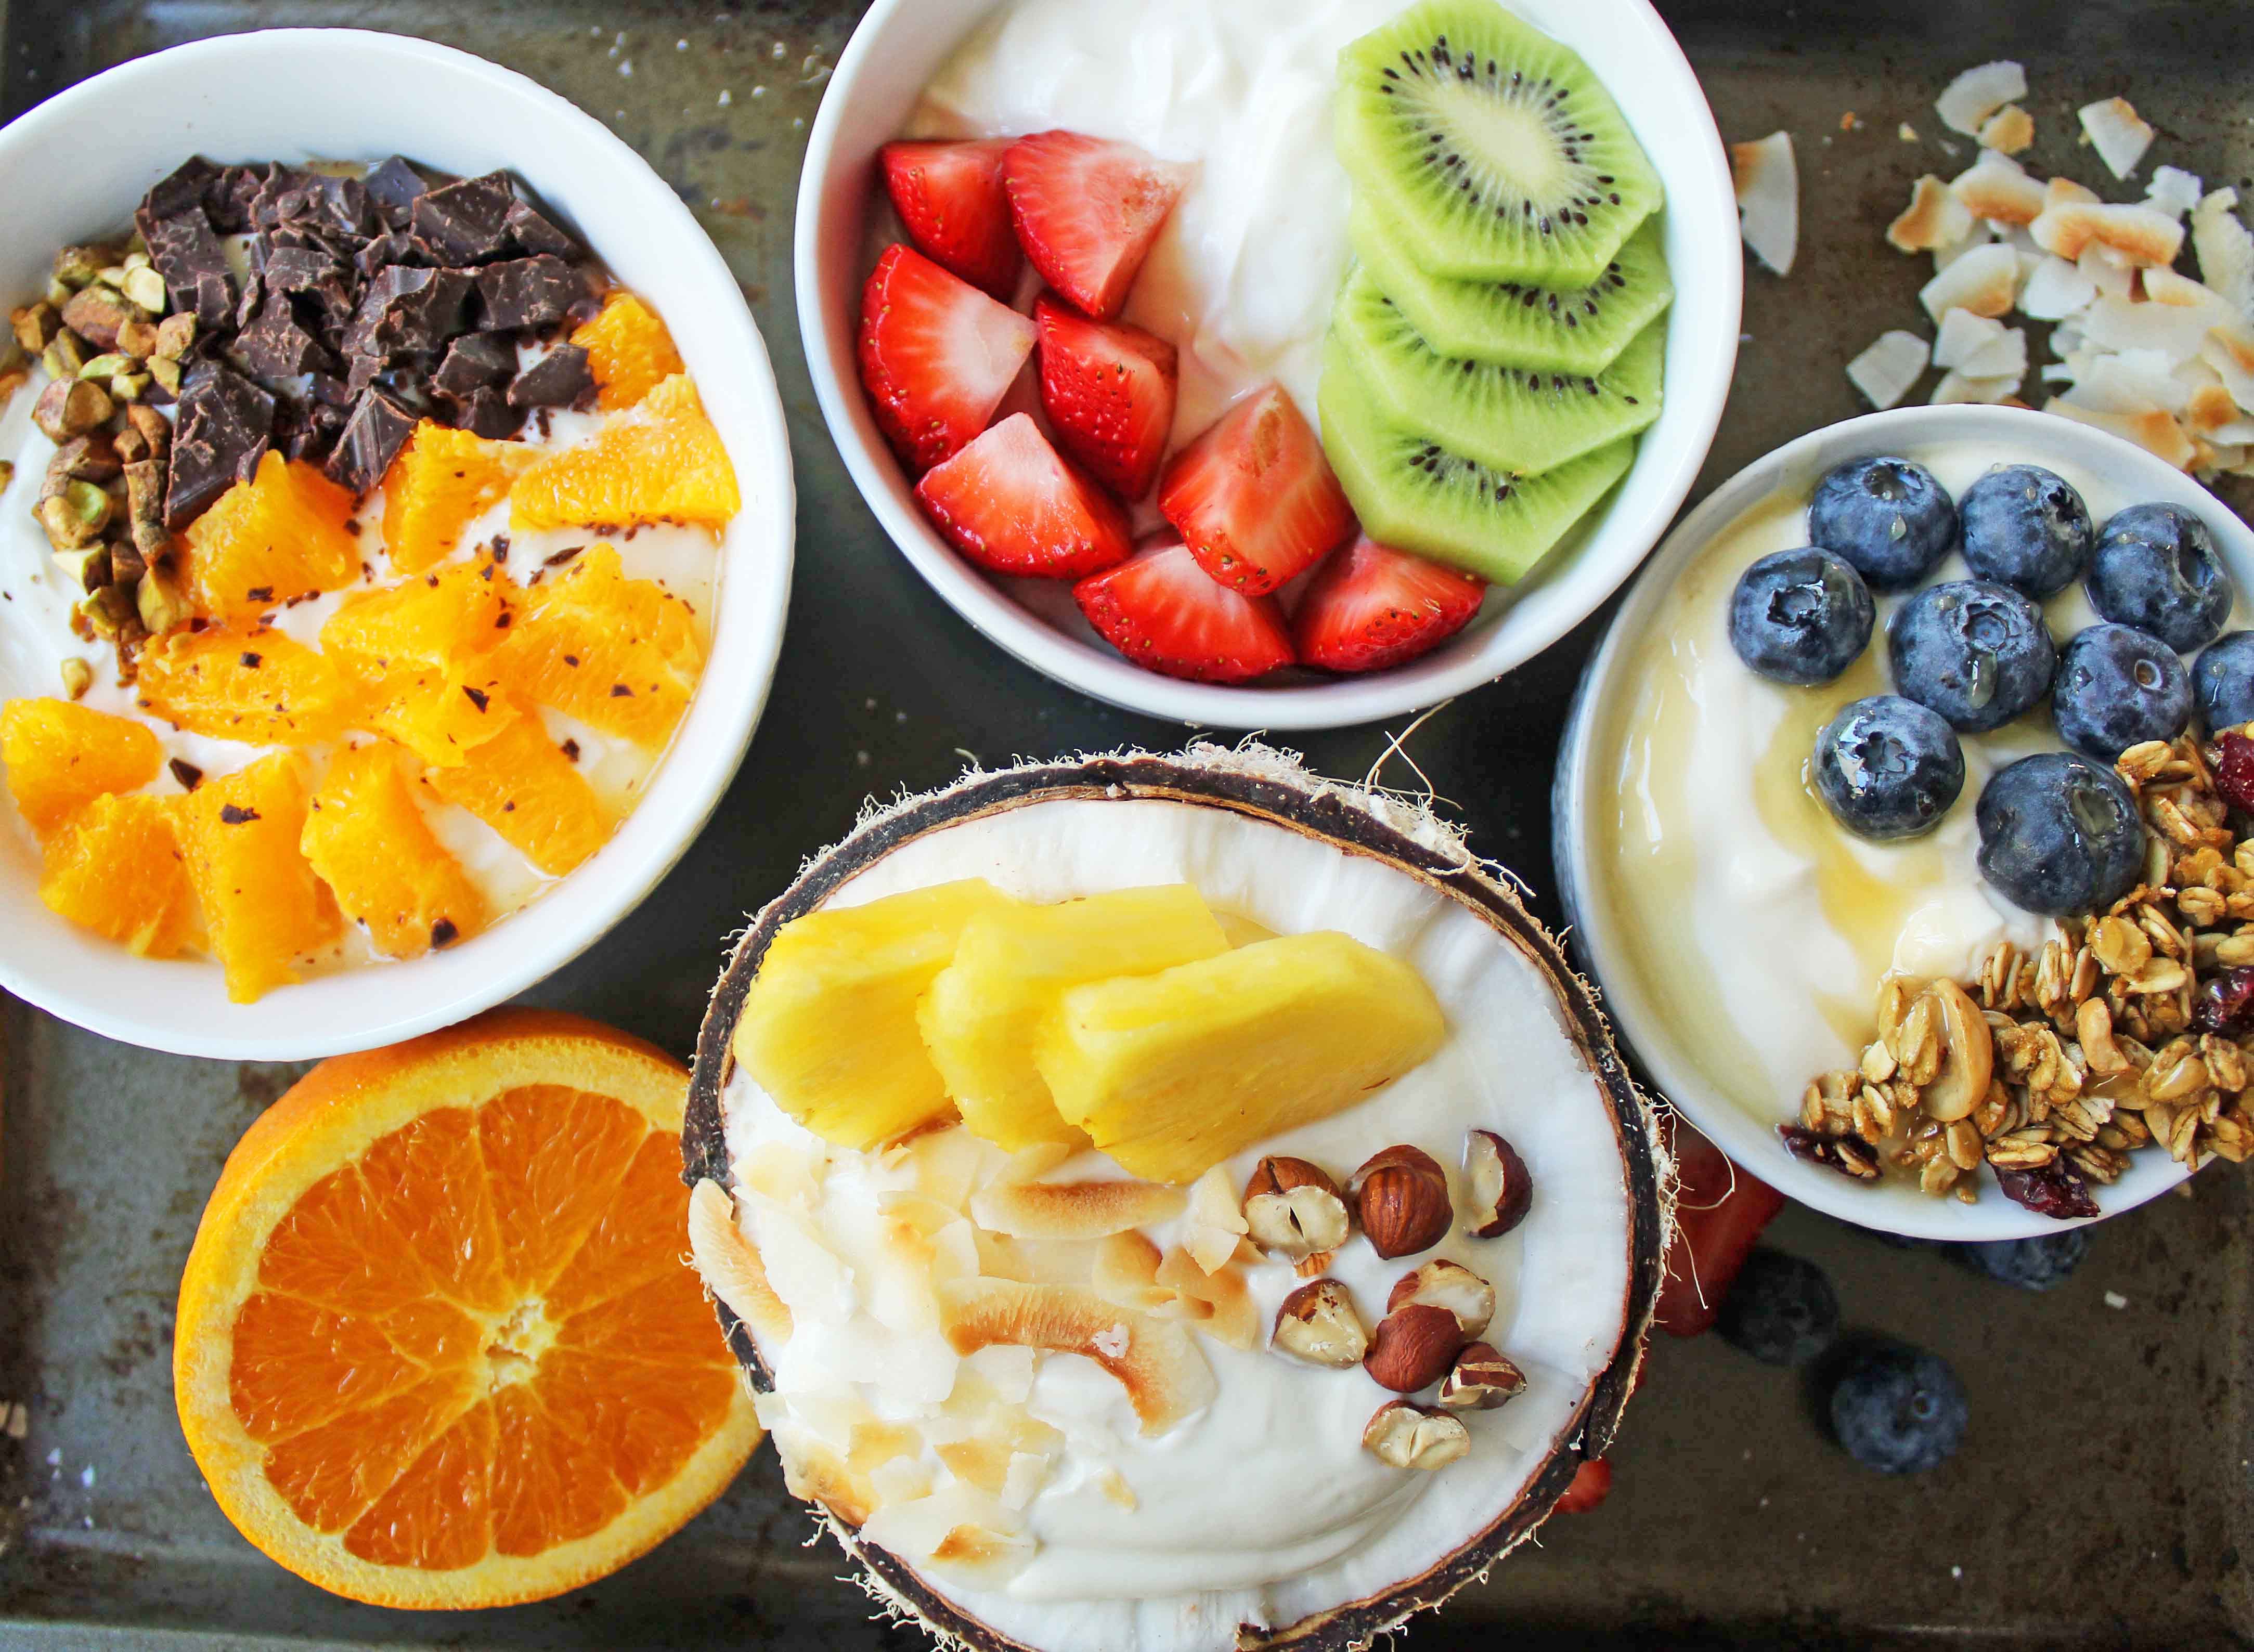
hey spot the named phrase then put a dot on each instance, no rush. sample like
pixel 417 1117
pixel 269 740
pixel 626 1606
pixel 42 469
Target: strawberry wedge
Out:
pixel 937 355
pixel 1254 498
pixel 1721 1211
pixel 1371 607
pixel 1010 503
pixel 1087 210
pixel 1108 390
pixel 1159 610
pixel 951 198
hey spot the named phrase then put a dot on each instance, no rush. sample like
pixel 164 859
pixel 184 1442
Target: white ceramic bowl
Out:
pixel 898 46
pixel 1582 788
pixel 304 95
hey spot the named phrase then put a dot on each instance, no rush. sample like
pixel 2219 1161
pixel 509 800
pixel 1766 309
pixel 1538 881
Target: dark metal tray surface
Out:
pixel 2102 1497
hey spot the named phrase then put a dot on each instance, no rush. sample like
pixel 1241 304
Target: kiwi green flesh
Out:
pixel 1578 330
pixel 1415 496
pixel 1495 146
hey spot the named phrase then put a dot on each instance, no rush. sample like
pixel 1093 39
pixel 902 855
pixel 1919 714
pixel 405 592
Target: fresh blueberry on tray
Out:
pixel 1976 652
pixel 1887 768
pixel 2059 834
pixel 2026 527
pixel 2116 688
pixel 1899 1410
pixel 2041 1264
pixel 1888 517
pixel 2156 568
pixel 1800 616
pixel 2222 679
pixel 1780 1309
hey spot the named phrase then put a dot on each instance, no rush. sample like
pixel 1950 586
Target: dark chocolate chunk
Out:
pixel 228 198
pixel 281 196
pixel 526 293
pixel 226 422
pixel 473 359
pixel 445 932
pixel 341 206
pixel 184 251
pixel 379 427
pixel 307 429
pixel 187 774
pixel 246 307
pixel 485 412
pixel 393 188
pixel 229 815
pixel 187 190
pixel 532 234
pixel 330 390
pixel 558 378
pixel 466 222
pixel 396 247
pixel 329 287
pixel 274 345
pixel 405 308
pixel 213 303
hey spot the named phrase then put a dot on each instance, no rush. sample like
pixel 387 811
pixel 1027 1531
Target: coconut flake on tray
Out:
pixel 1886 371
pixel 1767 182
pixel 1966 104
pixel 2117 132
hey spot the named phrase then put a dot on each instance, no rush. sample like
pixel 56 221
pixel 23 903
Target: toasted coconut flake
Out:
pixel 2174 332
pixel 1165 1377
pixel 2209 410
pixel 2060 191
pixel 958 1530
pixel 1967 102
pixel 1934 217
pixel 2010 129
pixel 2225 249
pixel 729 1264
pixel 813 1472
pixel 2230 351
pixel 2125 381
pixel 1982 236
pixel 1957 387
pixel 2173 191
pixel 1219 1302
pixel 1906 132
pixel 1985 282
pixel 2182 293
pixel 2108 272
pixel 1127 1272
pixel 1216 1226
pixel 1768 181
pixel 1072 1209
pixel 2118 133
pixel 1885 371
pixel 2138 233
pixel 1999 189
pixel 2055 288
pixel 1962 335
pixel 2155 430
pixel 1034 1261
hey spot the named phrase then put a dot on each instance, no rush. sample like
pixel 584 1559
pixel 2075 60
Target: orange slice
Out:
pixel 660 460
pixel 116 869
pixel 628 351
pixel 278 536
pixel 443 480
pixel 437 1346
pixel 61 756
pixel 622 654
pixel 260 687
pixel 530 791
pixel 262 901
pixel 367 839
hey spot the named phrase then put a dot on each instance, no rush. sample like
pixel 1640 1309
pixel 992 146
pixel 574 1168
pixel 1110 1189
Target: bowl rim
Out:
pixel 695 770
pixel 1750 1142
pixel 1661 478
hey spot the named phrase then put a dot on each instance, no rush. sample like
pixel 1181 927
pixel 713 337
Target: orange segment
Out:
pixel 443 480
pixel 660 460
pixel 628 351
pixel 411 654
pixel 376 1367
pixel 259 687
pixel 278 536
pixel 116 869
pixel 366 837
pixel 60 756
pixel 521 784
pixel 261 903
pixel 622 654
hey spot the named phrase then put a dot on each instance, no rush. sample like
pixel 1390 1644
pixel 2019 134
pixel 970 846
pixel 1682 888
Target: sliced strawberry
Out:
pixel 1720 1212
pixel 951 198
pixel 1254 497
pixel 1008 502
pixel 1592 1482
pixel 1108 390
pixel 1370 606
pixel 937 355
pixel 1160 611
pixel 1087 211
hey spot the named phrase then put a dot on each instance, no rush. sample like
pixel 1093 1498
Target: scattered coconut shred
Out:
pixel 1768 183
pixel 2139 348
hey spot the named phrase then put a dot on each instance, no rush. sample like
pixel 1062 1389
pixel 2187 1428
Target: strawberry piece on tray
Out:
pixel 950 197
pixel 1011 503
pixel 1254 498
pixel 1720 1211
pixel 1108 390
pixel 1159 610
pixel 1087 210
pixel 1591 1481
pixel 937 355
pixel 1371 607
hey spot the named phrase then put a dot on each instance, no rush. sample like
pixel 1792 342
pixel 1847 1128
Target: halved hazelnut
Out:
pixel 1414 1347
pixel 1500 1189
pixel 1446 1285
pixel 1318 1324
pixel 1401 1195
pixel 1408 1436
pixel 1480 1380
pixel 1293 1209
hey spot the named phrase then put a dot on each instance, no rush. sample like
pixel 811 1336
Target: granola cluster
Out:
pixel 2129 1030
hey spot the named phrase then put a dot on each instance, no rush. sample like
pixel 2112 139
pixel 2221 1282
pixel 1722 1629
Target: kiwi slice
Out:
pixel 1493 145
pixel 1414 494
pixel 1510 419
pixel 1578 329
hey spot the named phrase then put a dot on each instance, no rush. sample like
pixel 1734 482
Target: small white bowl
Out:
pixel 879 77
pixel 1582 788
pixel 337 93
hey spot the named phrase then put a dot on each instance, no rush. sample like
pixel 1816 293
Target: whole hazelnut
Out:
pixel 1414 1347
pixel 1317 1323
pixel 1293 1209
pixel 1401 1195
pixel 1496 1184
pixel 1446 1285
pixel 1480 1380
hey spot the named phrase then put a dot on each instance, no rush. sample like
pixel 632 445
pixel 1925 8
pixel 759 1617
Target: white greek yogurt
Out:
pixel 1762 928
pixel 1262 1507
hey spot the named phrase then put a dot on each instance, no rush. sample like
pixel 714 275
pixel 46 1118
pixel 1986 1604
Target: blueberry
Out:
pixel 1976 652
pixel 1887 768
pixel 2155 568
pixel 2059 834
pixel 1888 516
pixel 1800 616
pixel 2026 527
pixel 2032 1264
pixel 1780 1309
pixel 1899 1409
pixel 2117 688
pixel 2222 679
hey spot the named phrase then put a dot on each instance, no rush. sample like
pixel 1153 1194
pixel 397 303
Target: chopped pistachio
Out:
pixel 108 610
pixel 108 365
pixel 77 676
pixel 136 255
pixel 35 326
pixel 71 407
pixel 161 602
pixel 11 382
pixel 146 288
pixel 130 386
pixel 86 569
pixel 153 428
pixel 174 335
pixel 137 339
pixel 75 267
pixel 56 294
pixel 7 474
pixel 76 517
pixel 127 564
pixel 64 355
pixel 166 371
pixel 91 458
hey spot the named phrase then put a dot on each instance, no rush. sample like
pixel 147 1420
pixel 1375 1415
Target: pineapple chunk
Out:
pixel 828 1028
pixel 984 1010
pixel 1171 1074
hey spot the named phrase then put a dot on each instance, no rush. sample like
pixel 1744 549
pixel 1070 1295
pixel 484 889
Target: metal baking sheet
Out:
pixel 2102 1497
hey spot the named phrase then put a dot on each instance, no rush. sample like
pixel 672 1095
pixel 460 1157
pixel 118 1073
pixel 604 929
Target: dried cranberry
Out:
pixel 2055 1190
pixel 2234 771
pixel 1848 1155
pixel 2225 1002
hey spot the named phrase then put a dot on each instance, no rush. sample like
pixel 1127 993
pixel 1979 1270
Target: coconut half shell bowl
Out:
pixel 1329 856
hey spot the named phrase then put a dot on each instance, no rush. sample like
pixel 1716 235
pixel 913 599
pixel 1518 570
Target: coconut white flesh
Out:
pixel 2173 191
pixel 2153 429
pixel 1958 386
pixel 1885 371
pixel 1934 217
pixel 1262 1508
pixel 2118 133
pixel 1768 181
pixel 1985 280
pixel 1966 104
pixel 2225 249
pixel 1979 346
pixel 1997 187
pixel 1983 235
pixel 2055 289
